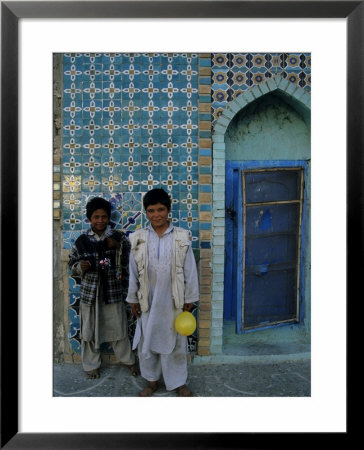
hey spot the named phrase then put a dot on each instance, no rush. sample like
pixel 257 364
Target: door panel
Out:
pixel 272 185
pixel 269 297
pixel 269 251
pixel 282 218
pixel 271 235
pixel 263 246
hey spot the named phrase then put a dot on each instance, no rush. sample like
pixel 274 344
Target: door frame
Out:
pixel 233 276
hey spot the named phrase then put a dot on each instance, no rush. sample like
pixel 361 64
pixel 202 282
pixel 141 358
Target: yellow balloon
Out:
pixel 185 323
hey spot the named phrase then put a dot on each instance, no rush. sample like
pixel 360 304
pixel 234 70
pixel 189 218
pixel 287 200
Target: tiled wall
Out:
pixel 131 122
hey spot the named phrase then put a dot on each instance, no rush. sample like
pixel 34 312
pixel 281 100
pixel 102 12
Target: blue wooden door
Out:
pixel 264 221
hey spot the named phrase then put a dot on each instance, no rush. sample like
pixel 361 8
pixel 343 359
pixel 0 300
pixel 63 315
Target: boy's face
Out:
pixel 157 215
pixel 99 221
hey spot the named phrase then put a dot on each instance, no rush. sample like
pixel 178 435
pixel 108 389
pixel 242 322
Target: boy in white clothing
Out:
pixel 163 282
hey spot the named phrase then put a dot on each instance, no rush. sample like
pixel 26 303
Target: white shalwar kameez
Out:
pixel 161 349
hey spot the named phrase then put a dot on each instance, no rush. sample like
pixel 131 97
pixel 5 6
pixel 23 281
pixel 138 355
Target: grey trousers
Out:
pixel 104 323
pixel 91 357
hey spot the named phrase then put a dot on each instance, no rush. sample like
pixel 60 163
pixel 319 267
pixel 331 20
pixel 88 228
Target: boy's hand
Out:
pixel 111 243
pixel 188 307
pixel 85 265
pixel 135 307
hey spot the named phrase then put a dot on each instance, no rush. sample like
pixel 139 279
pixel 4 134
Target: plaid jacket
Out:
pixel 110 281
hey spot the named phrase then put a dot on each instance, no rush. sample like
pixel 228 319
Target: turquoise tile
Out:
pixel 92 90
pixel 205 188
pixel 131 58
pixel 92 71
pixel 72 128
pixel 205 208
pixel 92 128
pixel 71 221
pixel 69 238
pixel 92 58
pixel 205 226
pixel 74 322
pixel 205 152
pixel 72 90
pixel 147 59
pixel 111 71
pixel 205 134
pixel 73 299
pixel 92 109
pixel 72 73
pixel 205 170
pixel 205 62
pixel 72 58
pixel 112 89
pixel 112 58
pixel 72 164
pixel 112 109
pixel 205 99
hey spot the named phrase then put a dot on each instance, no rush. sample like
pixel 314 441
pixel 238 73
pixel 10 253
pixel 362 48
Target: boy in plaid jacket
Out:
pixel 100 257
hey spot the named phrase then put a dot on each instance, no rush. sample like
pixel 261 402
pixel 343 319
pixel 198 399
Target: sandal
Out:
pixel 92 374
pixel 184 391
pixel 148 391
pixel 133 369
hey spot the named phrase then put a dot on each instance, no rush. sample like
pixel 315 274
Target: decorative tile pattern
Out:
pixel 234 73
pixel 129 124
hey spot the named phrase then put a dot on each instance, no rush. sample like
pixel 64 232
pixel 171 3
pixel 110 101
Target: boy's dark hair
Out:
pixel 97 203
pixel 155 196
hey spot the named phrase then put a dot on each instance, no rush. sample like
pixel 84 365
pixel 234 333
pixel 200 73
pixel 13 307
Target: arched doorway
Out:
pixel 266 142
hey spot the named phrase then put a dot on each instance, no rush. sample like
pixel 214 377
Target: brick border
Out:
pixel 205 203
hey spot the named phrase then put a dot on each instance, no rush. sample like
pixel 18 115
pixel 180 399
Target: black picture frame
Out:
pixel 11 12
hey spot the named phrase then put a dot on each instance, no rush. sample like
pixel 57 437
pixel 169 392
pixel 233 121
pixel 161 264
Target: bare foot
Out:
pixel 148 391
pixel 133 370
pixel 184 391
pixel 92 374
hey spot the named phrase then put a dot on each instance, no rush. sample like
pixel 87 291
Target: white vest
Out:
pixel 139 247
